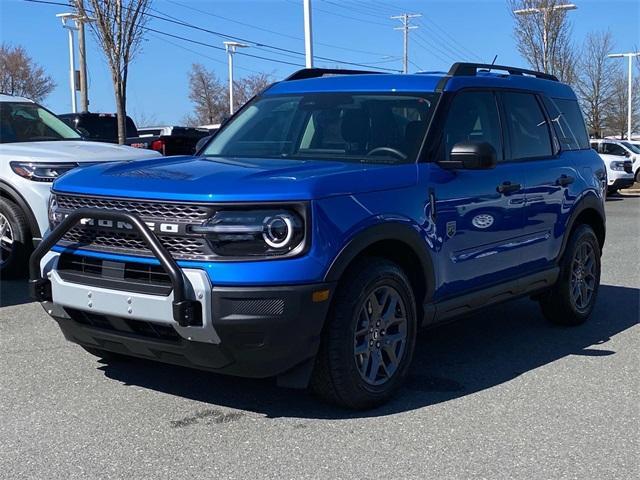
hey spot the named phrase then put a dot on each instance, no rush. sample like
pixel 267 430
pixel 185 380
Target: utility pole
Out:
pixel 405 18
pixel 629 56
pixel 231 49
pixel 308 35
pixel 545 27
pixel 72 57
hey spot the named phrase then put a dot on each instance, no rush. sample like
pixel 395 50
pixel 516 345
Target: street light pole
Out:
pixel 308 35
pixel 545 27
pixel 231 49
pixel 72 57
pixel 629 56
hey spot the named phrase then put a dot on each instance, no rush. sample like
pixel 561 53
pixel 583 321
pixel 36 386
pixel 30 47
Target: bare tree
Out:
pixel 20 75
pixel 595 82
pixel 207 93
pixel 210 96
pixel 119 28
pixel 249 86
pixel 616 113
pixel 543 36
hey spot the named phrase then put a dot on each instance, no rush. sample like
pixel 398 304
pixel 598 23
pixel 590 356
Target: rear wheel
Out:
pixel 571 300
pixel 369 340
pixel 15 238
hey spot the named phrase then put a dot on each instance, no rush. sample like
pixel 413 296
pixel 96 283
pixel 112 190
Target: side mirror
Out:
pixel 471 156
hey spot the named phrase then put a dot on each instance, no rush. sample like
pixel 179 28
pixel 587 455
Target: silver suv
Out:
pixel 36 147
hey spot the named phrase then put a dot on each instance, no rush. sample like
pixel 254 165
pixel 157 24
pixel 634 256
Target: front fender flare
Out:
pixel 397 231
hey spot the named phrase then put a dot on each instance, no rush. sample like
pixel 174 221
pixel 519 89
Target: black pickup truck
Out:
pixel 103 127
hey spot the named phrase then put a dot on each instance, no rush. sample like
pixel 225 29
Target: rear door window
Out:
pixel 528 130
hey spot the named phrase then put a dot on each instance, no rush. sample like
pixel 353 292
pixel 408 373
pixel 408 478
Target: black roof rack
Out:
pixel 470 69
pixel 322 72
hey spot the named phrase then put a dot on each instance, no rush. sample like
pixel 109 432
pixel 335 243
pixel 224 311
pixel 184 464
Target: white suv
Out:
pixel 621 161
pixel 35 148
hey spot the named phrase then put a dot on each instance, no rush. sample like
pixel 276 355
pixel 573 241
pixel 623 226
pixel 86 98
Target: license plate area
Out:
pixel 137 306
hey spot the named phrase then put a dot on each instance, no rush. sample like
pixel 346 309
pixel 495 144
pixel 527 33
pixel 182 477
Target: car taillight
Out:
pixel 158 146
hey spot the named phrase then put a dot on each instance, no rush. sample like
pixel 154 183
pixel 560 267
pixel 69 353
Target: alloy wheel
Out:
pixel 6 240
pixel 583 276
pixel 381 335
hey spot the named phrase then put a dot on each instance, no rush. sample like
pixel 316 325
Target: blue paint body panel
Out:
pixel 478 237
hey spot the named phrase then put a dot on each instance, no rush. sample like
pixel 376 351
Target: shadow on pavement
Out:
pixel 451 361
pixel 14 292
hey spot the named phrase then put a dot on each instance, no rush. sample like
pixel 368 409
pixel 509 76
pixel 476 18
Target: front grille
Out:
pixel 130 243
pixel 126 276
pixel 159 210
pixel 183 245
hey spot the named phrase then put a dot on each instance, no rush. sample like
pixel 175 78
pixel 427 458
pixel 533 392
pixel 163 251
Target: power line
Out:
pixel 356 9
pixel 174 20
pixel 274 32
pixel 430 50
pixel 450 44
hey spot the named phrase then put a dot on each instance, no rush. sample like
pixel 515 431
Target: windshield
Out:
pixel 28 122
pixel 375 128
pixel 632 147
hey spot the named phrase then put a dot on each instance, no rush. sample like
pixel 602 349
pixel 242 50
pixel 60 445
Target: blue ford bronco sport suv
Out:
pixel 332 217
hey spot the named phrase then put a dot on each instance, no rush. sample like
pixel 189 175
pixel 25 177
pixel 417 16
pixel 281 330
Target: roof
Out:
pixel 419 82
pixel 12 98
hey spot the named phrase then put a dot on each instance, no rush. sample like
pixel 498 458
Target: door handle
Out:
pixel 508 187
pixel 564 180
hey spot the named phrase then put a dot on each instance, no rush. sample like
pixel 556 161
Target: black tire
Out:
pixel 559 305
pixel 14 256
pixel 337 377
pixel 104 354
pixel 611 191
pixel 637 179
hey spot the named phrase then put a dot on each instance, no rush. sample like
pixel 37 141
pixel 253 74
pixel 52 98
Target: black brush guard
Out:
pixel 184 309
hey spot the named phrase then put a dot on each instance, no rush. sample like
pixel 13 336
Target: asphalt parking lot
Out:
pixel 499 395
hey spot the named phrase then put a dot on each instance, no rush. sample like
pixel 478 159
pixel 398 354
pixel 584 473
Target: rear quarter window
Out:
pixel 568 123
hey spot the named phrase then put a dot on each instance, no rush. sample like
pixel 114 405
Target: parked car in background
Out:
pixel 634 145
pixel 327 221
pixel 36 147
pixel 99 127
pixel 212 129
pixel 621 161
pixel 169 140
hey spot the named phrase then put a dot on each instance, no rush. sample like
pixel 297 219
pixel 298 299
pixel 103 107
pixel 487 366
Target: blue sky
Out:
pixel 158 88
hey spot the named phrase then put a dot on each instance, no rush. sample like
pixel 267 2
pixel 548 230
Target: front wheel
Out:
pixel 571 300
pixel 369 338
pixel 15 240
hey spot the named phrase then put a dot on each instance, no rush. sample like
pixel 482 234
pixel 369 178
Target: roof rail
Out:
pixel 322 72
pixel 471 69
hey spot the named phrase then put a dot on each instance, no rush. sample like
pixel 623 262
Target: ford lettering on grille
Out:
pixel 169 221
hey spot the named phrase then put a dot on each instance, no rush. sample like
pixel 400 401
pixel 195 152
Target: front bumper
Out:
pixel 180 319
pixel 620 183
pixel 262 332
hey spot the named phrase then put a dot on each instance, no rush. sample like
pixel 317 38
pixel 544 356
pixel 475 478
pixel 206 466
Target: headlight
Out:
pixel 255 233
pixel 41 172
pixel 617 165
pixel 55 217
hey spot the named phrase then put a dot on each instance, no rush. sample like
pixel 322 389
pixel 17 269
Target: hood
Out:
pixel 234 180
pixel 72 151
